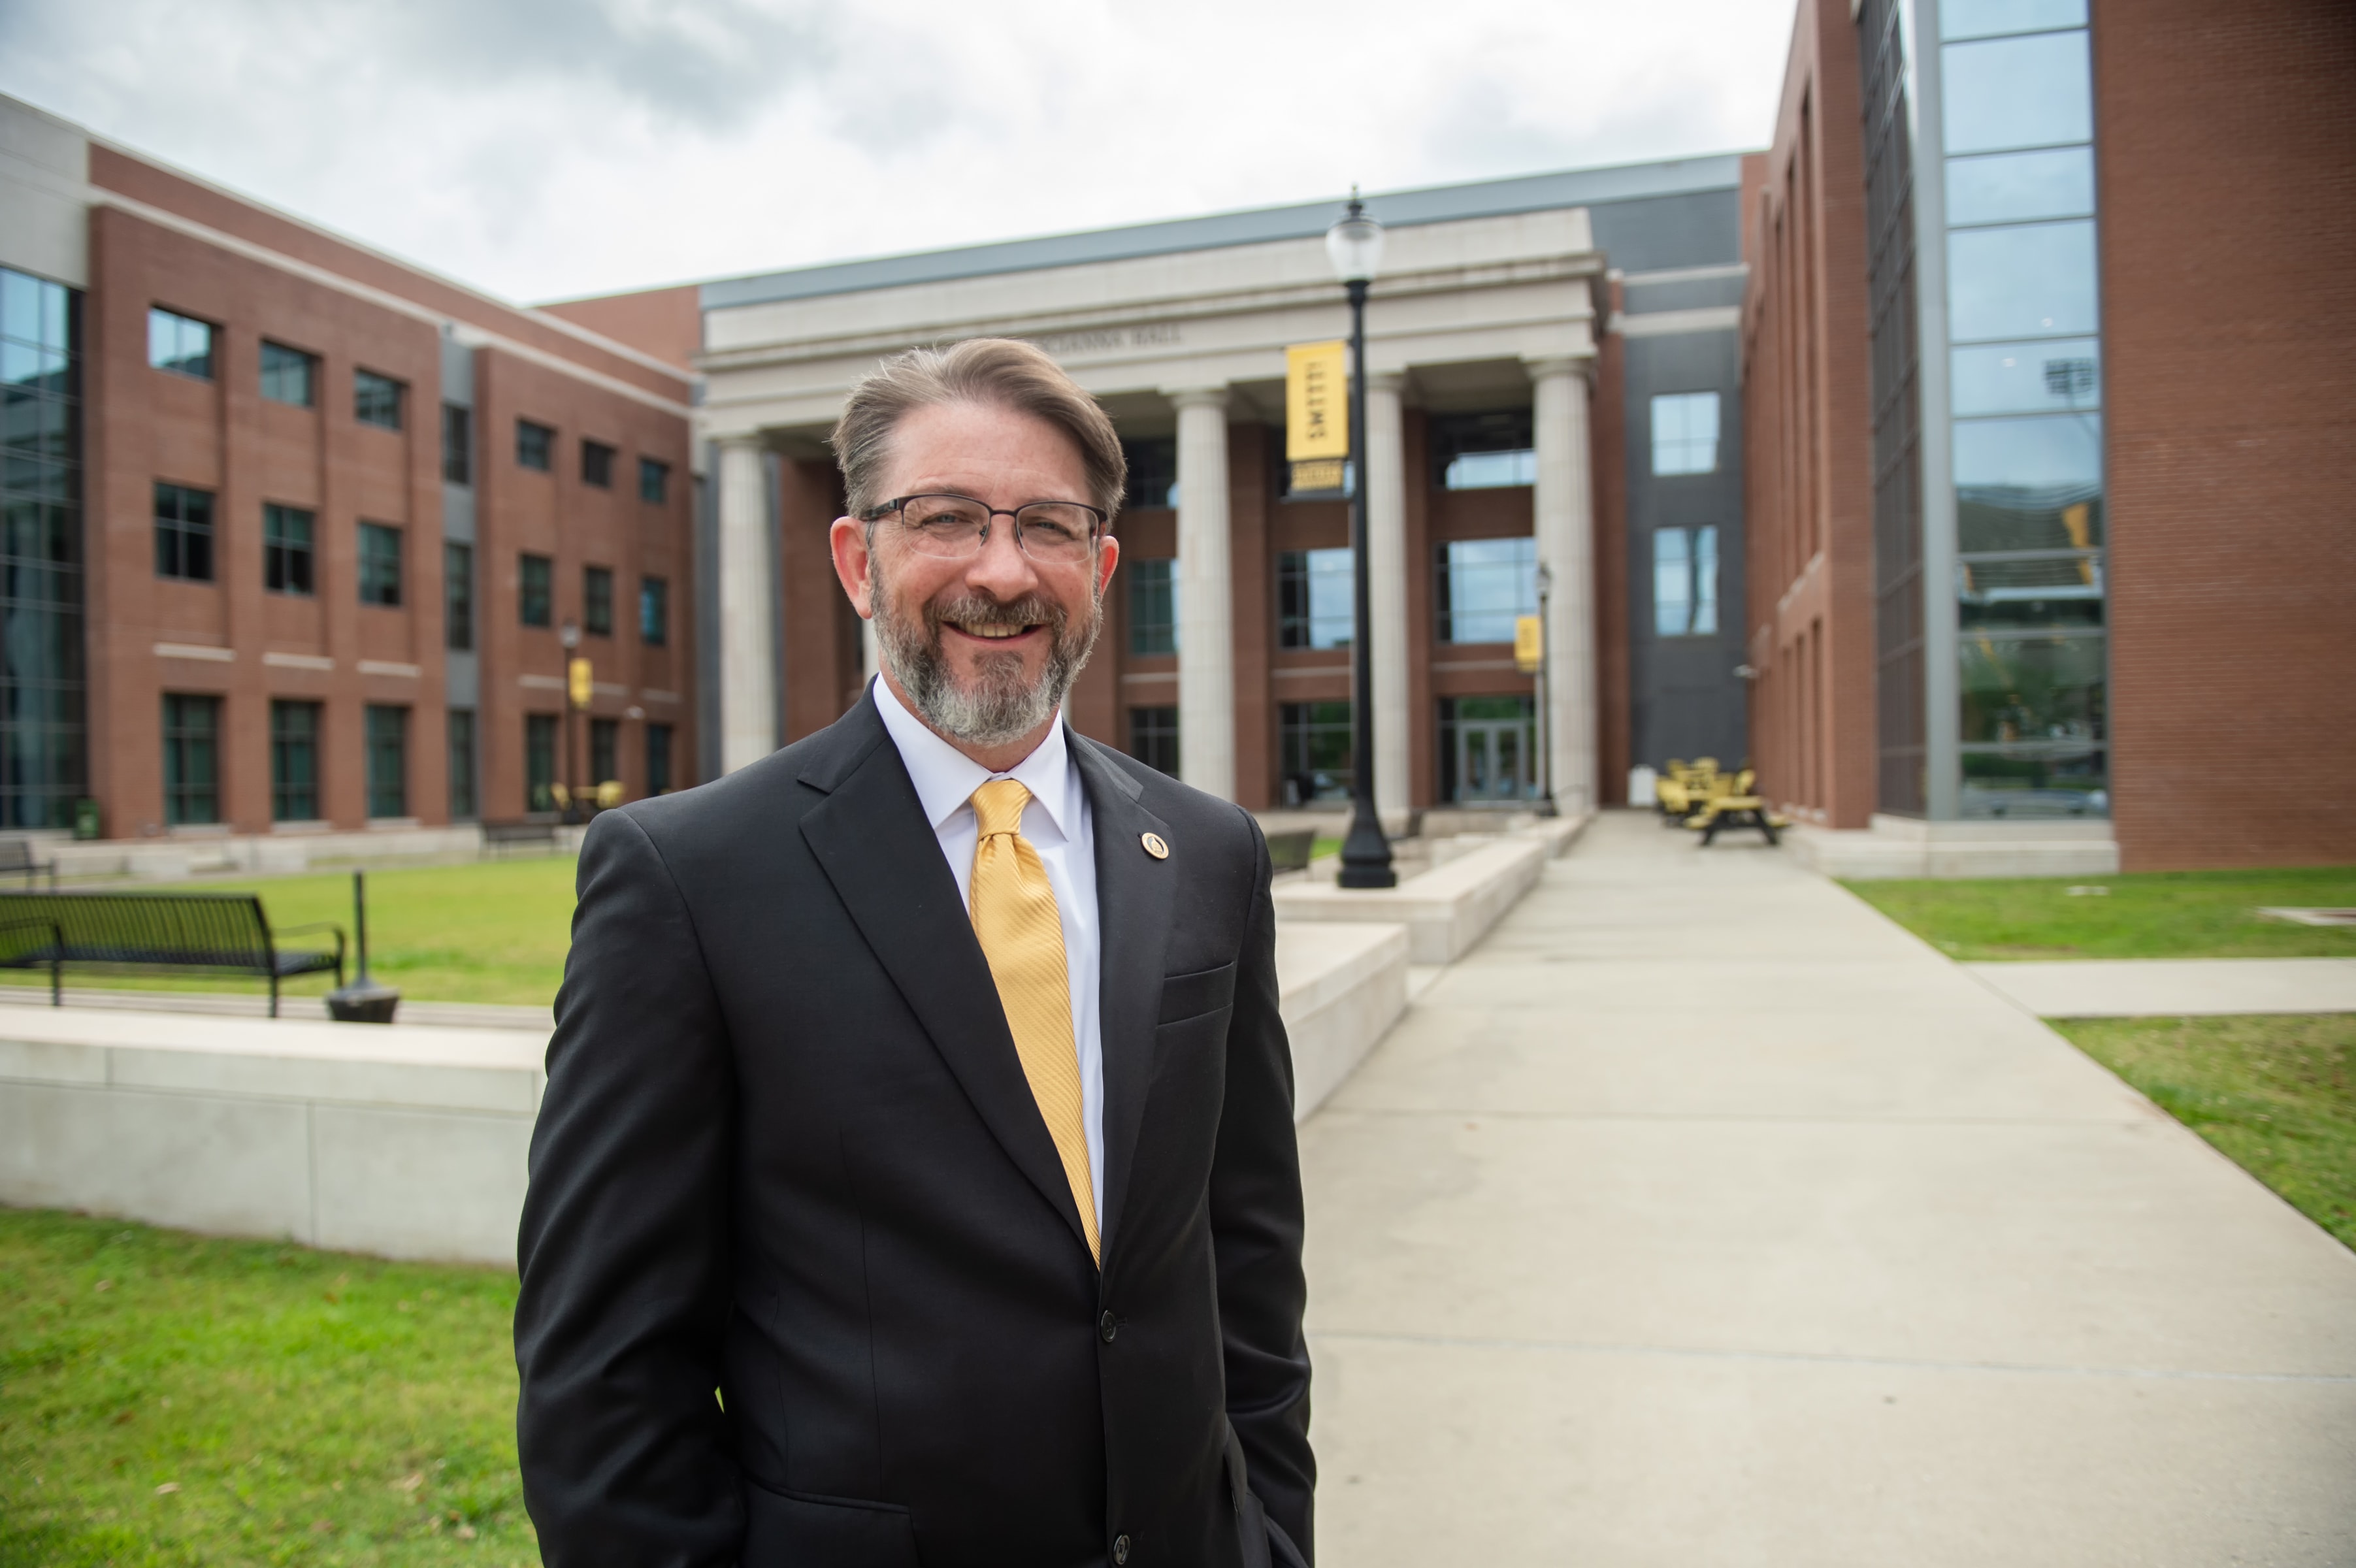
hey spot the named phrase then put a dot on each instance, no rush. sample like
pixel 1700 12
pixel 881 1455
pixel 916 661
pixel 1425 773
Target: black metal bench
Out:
pixel 501 835
pixel 184 932
pixel 1291 850
pixel 17 857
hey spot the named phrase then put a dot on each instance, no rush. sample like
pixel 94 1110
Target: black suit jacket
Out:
pixel 788 1153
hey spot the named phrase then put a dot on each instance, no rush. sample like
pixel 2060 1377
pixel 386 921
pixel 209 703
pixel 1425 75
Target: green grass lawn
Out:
pixel 2275 1094
pixel 492 930
pixel 2167 914
pixel 168 1400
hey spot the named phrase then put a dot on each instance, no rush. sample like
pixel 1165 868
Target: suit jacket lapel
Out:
pixel 870 837
pixel 1134 903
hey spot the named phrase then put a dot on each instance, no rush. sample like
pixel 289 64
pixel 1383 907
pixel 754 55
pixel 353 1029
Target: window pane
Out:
pixel 596 464
pixel 2059 375
pixel 654 611
pixel 539 762
pixel 654 480
pixel 2051 591
pixel 287 539
pixel 1673 608
pixel 286 375
pixel 179 344
pixel 2034 722
pixel 458 594
pixel 1484 585
pixel 388 761
pixel 535 446
pixel 461 763
pixel 1153 608
pixel 2028 484
pixel 1981 18
pixel 191 759
pixel 2033 281
pixel 294 762
pixel 533 582
pixel 1684 433
pixel 1705 599
pixel 1153 737
pixel 376 399
pixel 1481 451
pixel 379 564
pixel 458 444
pixel 2015 186
pixel 1315 743
pixel 1153 473
pixel 1490 471
pixel 2017 93
pixel 597 600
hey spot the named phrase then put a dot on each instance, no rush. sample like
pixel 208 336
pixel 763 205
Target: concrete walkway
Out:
pixel 1701 1216
pixel 2159 987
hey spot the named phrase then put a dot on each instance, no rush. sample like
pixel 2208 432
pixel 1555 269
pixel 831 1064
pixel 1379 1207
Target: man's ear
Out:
pixel 847 540
pixel 1107 557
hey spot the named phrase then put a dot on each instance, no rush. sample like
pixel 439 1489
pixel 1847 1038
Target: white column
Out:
pixel 1387 592
pixel 748 633
pixel 1206 658
pixel 1563 499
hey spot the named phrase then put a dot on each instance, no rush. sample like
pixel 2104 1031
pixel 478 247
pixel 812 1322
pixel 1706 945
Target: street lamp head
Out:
pixel 1354 243
pixel 1546 576
pixel 569 636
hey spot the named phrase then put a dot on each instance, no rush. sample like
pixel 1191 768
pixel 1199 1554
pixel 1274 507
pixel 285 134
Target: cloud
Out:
pixel 544 148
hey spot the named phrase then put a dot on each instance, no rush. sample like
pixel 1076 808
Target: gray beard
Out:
pixel 1001 706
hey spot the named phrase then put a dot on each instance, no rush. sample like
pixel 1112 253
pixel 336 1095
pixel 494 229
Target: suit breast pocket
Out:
pixel 1185 996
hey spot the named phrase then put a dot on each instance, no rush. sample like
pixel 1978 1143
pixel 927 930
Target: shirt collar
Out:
pixel 946 778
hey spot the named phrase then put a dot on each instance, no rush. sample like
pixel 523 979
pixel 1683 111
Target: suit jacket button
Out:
pixel 1119 1550
pixel 1107 1326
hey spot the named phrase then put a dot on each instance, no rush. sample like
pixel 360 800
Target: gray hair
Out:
pixel 1002 371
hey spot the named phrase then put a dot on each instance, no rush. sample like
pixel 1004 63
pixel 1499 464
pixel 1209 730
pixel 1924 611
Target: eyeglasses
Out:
pixel 954 528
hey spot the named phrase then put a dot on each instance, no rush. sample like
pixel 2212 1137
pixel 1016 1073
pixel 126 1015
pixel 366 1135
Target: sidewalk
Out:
pixel 2161 987
pixel 1701 1216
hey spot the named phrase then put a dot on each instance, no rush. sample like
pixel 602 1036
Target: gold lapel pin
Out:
pixel 1154 846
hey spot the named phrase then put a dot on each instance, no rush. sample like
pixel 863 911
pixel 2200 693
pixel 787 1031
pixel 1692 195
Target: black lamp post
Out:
pixel 1356 247
pixel 569 636
pixel 1547 807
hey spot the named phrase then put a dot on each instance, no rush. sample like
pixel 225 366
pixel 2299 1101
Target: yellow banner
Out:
pixel 1529 644
pixel 580 678
pixel 1316 402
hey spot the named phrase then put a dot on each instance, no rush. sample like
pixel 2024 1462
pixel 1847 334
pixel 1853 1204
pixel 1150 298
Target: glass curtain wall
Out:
pixel 43 767
pixel 1903 764
pixel 2024 393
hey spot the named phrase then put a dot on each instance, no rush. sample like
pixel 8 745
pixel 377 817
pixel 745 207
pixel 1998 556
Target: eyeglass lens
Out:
pixel 955 527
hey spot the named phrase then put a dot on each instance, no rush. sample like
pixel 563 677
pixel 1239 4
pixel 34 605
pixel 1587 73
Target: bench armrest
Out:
pixel 312 929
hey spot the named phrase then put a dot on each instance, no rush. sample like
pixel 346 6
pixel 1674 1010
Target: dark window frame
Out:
pixel 659 758
pixel 457 444
pixel 1153 608
pixel 289 567
pixel 597 464
pixel 535 590
pixel 462 732
pixel 281 360
pixel 1296 621
pixel 377 399
pixel 380 572
pixel 192 795
pixel 459 594
pixel 179 365
pixel 654 611
pixel 387 731
pixel 1153 737
pixel 654 481
pixel 184 543
pixel 535 446
pixel 295 791
pixel 540 761
pixel 597 600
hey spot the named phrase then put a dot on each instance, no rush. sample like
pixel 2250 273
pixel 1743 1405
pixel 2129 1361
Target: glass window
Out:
pixel 41 676
pixel 1685 582
pixel 457 594
pixel 2028 484
pixel 535 446
pixel 286 542
pixel 1152 472
pixel 2032 689
pixel 1313 603
pixel 2033 281
pixel 654 480
pixel 294 762
pixel 2006 188
pixel 1482 586
pixel 388 761
pixel 458 444
pixel 191 759
pixel 379 564
pixel 597 600
pixel 2017 93
pixel 462 764
pixel 604 750
pixel 1153 607
pixel 539 762
pixel 597 464
pixel 1488 749
pixel 1314 748
pixel 1684 433
pixel 2058 375
pixel 2044 589
pixel 654 611
pixel 1483 451
pixel 184 534
pixel 1984 18
pixel 376 399
pixel 658 759
pixel 289 375
pixel 1153 737
pixel 535 579
pixel 180 344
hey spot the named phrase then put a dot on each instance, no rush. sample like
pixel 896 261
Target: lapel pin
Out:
pixel 1154 846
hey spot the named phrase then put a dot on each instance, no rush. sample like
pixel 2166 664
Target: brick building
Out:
pixel 1553 379
pixel 2045 348
pixel 294 531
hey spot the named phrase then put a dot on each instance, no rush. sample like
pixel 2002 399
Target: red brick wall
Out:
pixel 1807 436
pixel 665 322
pixel 2226 136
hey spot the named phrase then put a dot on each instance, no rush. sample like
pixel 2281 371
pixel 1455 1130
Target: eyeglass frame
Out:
pixel 1101 528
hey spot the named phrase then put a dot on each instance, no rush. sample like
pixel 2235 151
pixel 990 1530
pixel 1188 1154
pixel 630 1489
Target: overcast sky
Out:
pixel 549 148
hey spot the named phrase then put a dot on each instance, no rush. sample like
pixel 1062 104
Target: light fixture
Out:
pixel 1354 243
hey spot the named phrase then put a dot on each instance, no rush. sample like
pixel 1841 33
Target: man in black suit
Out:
pixel 915 1180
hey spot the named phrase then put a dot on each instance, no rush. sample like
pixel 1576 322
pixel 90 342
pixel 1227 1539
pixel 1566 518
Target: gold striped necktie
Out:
pixel 1022 937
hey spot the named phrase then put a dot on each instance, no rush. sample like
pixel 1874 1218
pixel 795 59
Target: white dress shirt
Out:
pixel 1056 822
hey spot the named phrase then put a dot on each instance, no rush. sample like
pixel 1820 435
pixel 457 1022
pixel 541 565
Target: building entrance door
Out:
pixel 1493 760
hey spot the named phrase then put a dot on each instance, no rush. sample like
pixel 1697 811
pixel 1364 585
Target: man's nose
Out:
pixel 1000 567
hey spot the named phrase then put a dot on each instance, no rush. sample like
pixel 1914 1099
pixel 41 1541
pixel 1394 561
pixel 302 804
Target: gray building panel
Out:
pixel 1678 230
pixel 1692 228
